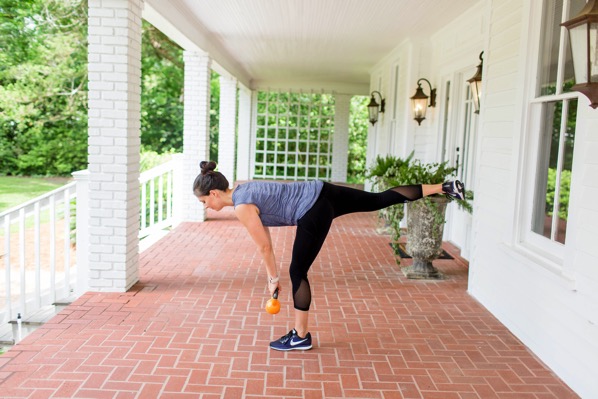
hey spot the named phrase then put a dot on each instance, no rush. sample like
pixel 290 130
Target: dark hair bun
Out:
pixel 207 167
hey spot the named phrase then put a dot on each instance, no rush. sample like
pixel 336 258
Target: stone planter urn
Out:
pixel 425 226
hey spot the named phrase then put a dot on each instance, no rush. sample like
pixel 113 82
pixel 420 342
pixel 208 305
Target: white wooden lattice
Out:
pixel 293 136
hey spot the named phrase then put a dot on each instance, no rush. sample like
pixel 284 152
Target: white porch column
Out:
pixel 244 145
pixel 114 35
pixel 227 127
pixel 340 145
pixel 196 129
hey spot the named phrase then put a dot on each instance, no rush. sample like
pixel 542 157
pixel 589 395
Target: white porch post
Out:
pixel 196 129
pixel 227 127
pixel 244 147
pixel 114 124
pixel 340 145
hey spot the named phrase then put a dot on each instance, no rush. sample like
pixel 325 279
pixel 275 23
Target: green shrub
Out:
pixel 151 159
pixel 564 194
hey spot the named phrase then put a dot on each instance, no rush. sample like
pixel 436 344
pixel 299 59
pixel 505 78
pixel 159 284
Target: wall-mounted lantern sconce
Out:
pixel 374 108
pixel 475 84
pixel 419 101
pixel 583 37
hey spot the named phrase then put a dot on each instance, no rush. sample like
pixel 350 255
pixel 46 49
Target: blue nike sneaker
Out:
pixel 292 342
pixel 454 189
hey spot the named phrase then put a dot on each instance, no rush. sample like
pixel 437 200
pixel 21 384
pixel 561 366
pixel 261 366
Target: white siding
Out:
pixel 554 311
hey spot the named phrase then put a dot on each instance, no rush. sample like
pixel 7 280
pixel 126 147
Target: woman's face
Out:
pixel 213 200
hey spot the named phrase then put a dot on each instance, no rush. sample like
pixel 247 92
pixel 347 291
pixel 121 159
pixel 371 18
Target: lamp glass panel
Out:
pixel 373 114
pixel 570 72
pixel 579 48
pixel 476 93
pixel 420 106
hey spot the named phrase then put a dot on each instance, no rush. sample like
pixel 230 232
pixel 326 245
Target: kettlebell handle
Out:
pixel 275 295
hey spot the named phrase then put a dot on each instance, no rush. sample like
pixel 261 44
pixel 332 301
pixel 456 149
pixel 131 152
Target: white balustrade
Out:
pixel 41 260
pixel 37 235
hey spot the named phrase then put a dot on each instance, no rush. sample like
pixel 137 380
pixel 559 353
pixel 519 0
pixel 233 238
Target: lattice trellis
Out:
pixel 293 136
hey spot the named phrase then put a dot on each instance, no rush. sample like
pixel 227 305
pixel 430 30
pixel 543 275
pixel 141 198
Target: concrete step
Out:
pixel 10 333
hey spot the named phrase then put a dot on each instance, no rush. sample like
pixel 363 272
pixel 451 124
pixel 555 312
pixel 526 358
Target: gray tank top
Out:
pixel 280 204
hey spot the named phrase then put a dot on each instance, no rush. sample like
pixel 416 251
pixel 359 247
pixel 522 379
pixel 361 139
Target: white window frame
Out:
pixel 393 105
pixel 548 252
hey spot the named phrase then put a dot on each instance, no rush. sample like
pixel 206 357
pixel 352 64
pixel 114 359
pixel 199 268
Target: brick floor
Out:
pixel 194 327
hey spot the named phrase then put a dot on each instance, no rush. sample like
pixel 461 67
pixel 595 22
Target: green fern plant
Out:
pixel 389 171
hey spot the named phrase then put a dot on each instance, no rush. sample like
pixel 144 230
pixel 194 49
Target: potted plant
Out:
pixel 425 217
pixel 381 173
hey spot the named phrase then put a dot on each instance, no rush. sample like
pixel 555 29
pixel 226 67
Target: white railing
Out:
pixel 37 239
pixel 37 252
pixel 157 187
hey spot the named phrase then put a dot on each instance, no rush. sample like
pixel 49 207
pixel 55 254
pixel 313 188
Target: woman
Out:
pixel 311 206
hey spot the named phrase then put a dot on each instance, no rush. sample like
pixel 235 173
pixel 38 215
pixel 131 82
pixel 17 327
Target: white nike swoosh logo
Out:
pixel 295 343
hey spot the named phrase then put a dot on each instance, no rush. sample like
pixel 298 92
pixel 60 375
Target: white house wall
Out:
pixel 553 310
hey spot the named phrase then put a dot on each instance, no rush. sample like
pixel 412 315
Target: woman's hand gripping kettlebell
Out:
pixel 273 304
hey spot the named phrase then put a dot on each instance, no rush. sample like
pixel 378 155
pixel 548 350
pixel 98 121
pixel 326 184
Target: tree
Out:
pixel 161 92
pixel 43 77
pixel 358 133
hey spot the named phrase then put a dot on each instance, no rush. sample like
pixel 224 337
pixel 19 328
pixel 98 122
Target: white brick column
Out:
pixel 196 130
pixel 227 127
pixel 340 145
pixel 244 145
pixel 114 35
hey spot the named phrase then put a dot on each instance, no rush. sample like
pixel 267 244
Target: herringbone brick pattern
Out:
pixel 194 327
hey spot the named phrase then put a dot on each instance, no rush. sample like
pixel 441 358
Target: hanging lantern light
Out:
pixel 374 108
pixel 583 37
pixel 475 84
pixel 419 101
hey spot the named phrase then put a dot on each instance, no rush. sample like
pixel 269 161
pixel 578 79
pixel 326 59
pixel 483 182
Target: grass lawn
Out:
pixel 16 190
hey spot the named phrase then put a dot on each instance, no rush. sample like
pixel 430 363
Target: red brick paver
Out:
pixel 194 327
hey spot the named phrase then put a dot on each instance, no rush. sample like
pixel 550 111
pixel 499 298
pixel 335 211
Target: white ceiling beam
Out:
pixel 178 24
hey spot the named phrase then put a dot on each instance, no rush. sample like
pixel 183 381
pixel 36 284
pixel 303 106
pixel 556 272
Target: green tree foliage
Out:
pixel 43 76
pixel 43 88
pixel 161 92
pixel 358 133
pixel 43 92
pixel 214 115
pixel 564 192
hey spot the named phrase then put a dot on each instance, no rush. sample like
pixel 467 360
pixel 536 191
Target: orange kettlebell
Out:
pixel 273 304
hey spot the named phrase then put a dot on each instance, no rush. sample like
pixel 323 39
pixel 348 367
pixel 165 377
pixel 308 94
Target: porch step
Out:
pixel 6 335
pixel 38 318
pixel 9 333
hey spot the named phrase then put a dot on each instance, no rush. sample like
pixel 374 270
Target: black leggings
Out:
pixel 313 227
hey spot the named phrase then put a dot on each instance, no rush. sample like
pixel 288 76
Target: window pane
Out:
pixel 547 163
pixel 569 141
pixel 550 220
pixel 549 50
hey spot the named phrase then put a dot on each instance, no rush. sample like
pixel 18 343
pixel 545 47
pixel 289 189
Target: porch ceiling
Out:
pixel 300 43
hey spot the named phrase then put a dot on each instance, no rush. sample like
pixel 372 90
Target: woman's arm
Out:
pixel 248 215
